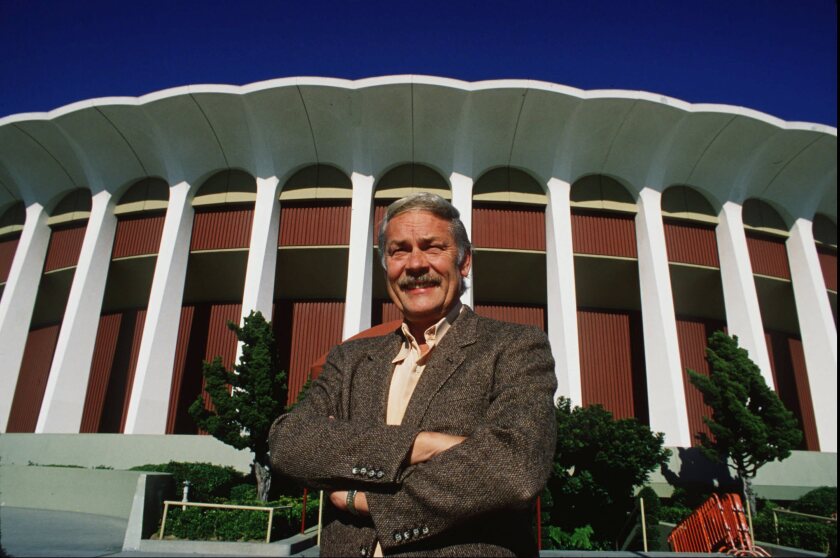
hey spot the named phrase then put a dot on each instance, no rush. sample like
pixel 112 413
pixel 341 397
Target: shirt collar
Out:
pixel 434 333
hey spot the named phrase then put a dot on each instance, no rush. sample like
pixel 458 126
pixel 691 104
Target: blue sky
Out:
pixel 775 56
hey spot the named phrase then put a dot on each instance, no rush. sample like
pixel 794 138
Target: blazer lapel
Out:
pixel 445 359
pixel 375 374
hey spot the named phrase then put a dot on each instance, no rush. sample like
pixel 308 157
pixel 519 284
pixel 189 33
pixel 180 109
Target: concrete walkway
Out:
pixel 31 532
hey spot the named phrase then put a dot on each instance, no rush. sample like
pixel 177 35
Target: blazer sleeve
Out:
pixel 504 464
pixel 332 453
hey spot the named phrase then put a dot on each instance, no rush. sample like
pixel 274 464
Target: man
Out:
pixel 436 438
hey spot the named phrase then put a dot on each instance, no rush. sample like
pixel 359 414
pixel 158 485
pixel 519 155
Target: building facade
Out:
pixel 628 225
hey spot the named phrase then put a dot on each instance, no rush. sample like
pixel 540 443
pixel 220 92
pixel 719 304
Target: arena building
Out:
pixel 626 224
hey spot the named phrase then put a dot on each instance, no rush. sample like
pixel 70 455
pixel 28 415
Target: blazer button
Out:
pixel 371 474
pixel 407 535
pixel 398 536
pixel 415 532
pixel 363 471
pixel 380 474
pixel 425 530
pixel 355 470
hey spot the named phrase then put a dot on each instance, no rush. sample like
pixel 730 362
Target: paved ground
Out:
pixel 29 532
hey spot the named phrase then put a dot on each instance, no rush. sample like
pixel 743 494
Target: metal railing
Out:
pixel 799 514
pixel 638 510
pixel 270 510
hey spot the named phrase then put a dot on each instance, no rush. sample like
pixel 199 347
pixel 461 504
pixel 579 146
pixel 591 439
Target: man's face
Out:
pixel 421 260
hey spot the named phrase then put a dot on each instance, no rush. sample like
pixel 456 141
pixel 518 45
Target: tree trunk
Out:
pixel 263 475
pixel 749 495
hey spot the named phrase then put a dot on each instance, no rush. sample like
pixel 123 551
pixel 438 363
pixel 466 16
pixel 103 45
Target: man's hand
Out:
pixel 429 444
pixel 339 500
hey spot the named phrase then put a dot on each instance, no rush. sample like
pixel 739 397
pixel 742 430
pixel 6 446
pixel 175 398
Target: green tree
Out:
pixel 597 465
pixel 749 424
pixel 246 401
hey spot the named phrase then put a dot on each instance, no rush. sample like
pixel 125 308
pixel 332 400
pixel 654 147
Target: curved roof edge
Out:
pixel 424 80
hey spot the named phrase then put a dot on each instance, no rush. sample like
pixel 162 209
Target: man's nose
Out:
pixel 417 260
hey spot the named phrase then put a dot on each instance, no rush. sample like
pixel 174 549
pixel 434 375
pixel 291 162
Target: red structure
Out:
pixel 718 525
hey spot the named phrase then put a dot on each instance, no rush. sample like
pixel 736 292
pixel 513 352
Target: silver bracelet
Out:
pixel 351 502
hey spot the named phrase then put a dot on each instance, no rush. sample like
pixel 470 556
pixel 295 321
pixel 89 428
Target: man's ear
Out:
pixel 466 264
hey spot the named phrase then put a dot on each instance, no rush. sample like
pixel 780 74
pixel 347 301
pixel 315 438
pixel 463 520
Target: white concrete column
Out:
pixel 262 252
pixel 666 390
pixel 561 305
pixel 64 397
pixel 18 302
pixel 149 403
pixel 743 315
pixel 819 334
pixel 462 200
pixel 360 263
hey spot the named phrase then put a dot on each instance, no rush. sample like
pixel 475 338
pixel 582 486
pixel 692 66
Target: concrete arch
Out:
pixel 685 202
pixel 226 186
pixel 12 218
pixel 403 179
pixel 146 194
pixel 70 206
pixel 759 214
pixel 825 230
pixel 509 184
pixel 317 181
pixel 598 191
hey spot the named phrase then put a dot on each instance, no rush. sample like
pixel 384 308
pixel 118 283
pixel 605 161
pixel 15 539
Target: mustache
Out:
pixel 424 280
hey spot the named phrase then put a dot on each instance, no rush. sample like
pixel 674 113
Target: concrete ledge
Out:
pixel 119 451
pixel 93 491
pixel 790 479
pixel 286 547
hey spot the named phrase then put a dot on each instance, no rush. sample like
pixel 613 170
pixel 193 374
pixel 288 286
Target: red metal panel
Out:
pixel 314 224
pixel 384 311
pixel 691 243
pixel 138 235
pixel 604 234
pixel 768 255
pixel 693 335
pixel 32 381
pixel 134 353
pixel 100 371
pixel 611 361
pixel 315 329
pixel 65 246
pixel 787 361
pixel 202 335
pixel 379 210
pixel 112 371
pixel 8 246
pixel 517 314
pixel 828 263
pixel 508 226
pixel 177 420
pixel 222 228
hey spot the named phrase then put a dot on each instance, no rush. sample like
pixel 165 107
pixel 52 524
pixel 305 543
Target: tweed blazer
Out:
pixel 490 381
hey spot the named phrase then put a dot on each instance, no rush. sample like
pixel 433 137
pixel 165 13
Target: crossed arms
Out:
pixel 413 476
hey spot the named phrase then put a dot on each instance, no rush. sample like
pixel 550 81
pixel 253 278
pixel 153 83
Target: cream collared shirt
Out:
pixel 408 368
pixel 410 363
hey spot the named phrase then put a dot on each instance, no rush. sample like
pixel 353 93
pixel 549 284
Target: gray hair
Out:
pixel 436 205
